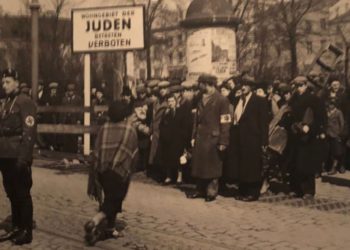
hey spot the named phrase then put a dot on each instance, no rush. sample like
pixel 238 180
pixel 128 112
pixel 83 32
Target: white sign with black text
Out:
pixel 108 29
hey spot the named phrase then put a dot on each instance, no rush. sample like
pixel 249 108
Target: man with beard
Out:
pixel 248 141
pixel 211 138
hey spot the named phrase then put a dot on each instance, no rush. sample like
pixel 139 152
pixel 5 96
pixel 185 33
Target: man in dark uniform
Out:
pixel 17 137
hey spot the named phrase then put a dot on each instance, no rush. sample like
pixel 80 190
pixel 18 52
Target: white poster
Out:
pixel 211 50
pixel 108 29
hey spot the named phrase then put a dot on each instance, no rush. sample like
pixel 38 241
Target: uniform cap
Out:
pixel 10 73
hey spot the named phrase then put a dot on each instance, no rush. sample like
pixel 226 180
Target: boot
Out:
pixel 9 235
pixel 24 236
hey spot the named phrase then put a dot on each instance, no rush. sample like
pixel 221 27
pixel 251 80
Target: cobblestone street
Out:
pixel 158 217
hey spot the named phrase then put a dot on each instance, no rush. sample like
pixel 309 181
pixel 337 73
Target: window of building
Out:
pixel 157 53
pixel 157 72
pixel 309 47
pixel 308 26
pixel 323 23
pixel 323 43
pixel 171 58
pixel 142 74
pixel 181 56
pixel 179 37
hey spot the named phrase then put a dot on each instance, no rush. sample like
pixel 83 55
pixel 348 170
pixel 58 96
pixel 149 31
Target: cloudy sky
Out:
pixel 15 7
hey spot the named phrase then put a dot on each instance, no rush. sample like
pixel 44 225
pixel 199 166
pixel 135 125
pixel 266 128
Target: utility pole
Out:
pixel 34 8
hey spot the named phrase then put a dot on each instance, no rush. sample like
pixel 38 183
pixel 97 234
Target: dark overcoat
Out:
pixel 246 141
pixel 306 154
pixel 211 128
pixel 173 136
pixel 158 112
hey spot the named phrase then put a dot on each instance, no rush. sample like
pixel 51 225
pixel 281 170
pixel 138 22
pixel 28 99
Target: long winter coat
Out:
pixel 306 152
pixel 211 128
pixel 158 112
pixel 172 137
pixel 246 141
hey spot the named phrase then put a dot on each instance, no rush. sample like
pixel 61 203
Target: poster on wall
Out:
pixel 211 50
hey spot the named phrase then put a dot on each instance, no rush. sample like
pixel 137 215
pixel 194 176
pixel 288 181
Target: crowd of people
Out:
pixel 240 133
pixel 236 134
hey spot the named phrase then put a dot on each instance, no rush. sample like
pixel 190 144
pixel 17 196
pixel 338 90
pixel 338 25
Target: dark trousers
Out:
pixel 302 184
pixel 249 188
pixel 17 184
pixel 115 190
pixel 208 187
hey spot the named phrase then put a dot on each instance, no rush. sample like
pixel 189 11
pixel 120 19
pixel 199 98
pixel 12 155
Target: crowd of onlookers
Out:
pixel 291 132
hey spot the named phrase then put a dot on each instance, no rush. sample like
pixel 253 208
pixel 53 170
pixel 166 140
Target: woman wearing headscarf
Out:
pixel 112 163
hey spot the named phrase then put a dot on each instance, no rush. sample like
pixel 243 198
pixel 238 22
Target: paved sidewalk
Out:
pixel 157 217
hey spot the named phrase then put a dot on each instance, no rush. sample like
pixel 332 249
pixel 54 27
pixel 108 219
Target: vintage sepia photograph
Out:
pixel 175 124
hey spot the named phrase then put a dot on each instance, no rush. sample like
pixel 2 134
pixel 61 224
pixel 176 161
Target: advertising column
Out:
pixel 211 50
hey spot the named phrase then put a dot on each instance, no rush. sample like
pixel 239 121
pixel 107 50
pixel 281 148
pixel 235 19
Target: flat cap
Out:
pixel 188 84
pixel 152 83
pixel 176 88
pixel 10 73
pixel 71 86
pixel 141 88
pixel 163 84
pixel 23 85
pixel 53 85
pixel 300 80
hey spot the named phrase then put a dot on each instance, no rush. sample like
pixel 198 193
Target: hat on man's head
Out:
pixel 53 85
pixel 163 84
pixel 187 85
pixel 23 85
pixel 284 88
pixel 126 91
pixel 152 83
pixel 141 89
pixel 118 110
pixel 248 80
pixel 300 80
pixel 208 79
pixel 71 86
pixel 10 73
pixel 176 88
